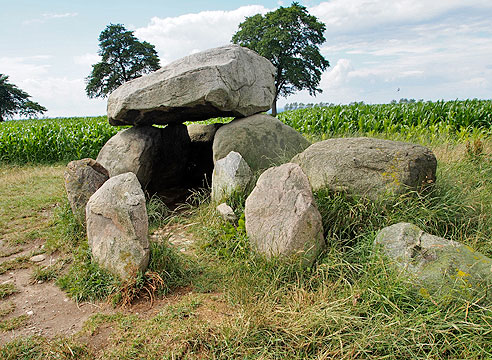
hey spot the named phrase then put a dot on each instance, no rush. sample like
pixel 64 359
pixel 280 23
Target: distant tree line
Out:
pixel 296 105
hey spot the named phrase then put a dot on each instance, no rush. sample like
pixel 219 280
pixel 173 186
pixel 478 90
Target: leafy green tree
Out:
pixel 15 101
pixel 124 58
pixel 290 38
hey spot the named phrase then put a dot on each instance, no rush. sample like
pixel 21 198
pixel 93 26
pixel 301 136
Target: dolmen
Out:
pixel 273 166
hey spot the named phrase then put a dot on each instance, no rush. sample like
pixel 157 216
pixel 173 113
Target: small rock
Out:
pixel 226 212
pixel 30 313
pixel 40 282
pixel 230 174
pixel 38 258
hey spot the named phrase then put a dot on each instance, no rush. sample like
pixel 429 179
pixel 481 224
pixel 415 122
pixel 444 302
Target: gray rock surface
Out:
pixel 281 215
pixel 117 226
pixel 262 140
pixel 366 166
pixel 226 212
pixel 440 267
pixel 225 81
pixel 230 174
pixel 82 179
pixel 132 150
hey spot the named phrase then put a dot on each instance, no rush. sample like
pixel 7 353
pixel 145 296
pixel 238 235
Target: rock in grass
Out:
pixel 231 174
pixel 367 167
pixel 226 212
pixel 82 179
pixel 227 81
pixel 281 215
pixel 441 267
pixel 117 226
pixel 262 140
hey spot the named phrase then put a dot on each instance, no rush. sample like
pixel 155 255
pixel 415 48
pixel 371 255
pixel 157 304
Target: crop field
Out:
pixel 53 140
pixel 66 139
pixel 410 119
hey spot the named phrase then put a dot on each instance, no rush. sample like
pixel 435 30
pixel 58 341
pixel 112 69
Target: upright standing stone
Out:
pixel 262 140
pixel 227 81
pixel 132 150
pixel 117 226
pixel 281 215
pixel 230 174
pixel 82 179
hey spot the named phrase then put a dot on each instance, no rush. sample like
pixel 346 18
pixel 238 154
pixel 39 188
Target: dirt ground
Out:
pixel 49 312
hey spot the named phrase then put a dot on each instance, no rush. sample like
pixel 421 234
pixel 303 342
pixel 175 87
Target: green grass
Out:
pixel 7 290
pixel 39 348
pixel 13 323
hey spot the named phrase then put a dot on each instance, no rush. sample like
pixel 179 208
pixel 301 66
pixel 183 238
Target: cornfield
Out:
pixel 66 139
pixel 450 116
pixel 53 140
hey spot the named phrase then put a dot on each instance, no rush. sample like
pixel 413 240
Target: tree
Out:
pixel 15 101
pixel 123 58
pixel 289 38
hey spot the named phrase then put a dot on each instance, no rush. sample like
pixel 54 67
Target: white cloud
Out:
pixel 336 76
pixel 183 35
pixel 341 16
pixel 86 59
pixel 63 96
pixel 48 16
pixel 24 67
pixel 59 16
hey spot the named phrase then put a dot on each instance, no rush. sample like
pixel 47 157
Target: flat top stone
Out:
pixel 226 81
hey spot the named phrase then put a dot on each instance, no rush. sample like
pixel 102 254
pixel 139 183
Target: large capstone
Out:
pixel 281 215
pixel 82 179
pixel 117 226
pixel 225 81
pixel 262 140
pixel 367 167
pixel 440 267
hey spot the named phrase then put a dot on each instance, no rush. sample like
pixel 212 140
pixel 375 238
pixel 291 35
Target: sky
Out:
pixel 379 50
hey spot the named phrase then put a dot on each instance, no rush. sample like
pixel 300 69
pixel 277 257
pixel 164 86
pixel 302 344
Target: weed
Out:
pixel 85 280
pixel 46 273
pixel 7 290
pixel 6 308
pixel 13 323
pixel 20 262
pixel 40 348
